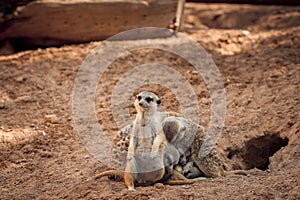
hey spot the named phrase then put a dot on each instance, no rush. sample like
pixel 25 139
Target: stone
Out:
pixel 51 119
pixel 58 22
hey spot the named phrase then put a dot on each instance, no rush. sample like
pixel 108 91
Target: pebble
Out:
pixel 20 79
pixel 2 105
pixel 159 185
pixel 44 133
pixel 245 32
pixel 186 186
pixel 51 119
pixel 24 99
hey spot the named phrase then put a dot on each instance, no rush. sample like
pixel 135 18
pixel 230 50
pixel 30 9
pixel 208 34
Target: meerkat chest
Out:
pixel 148 127
pixel 146 135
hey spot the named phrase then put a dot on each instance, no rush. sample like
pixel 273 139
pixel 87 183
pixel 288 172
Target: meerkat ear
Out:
pixel 158 102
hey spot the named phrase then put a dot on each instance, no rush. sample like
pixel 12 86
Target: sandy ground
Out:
pixel 42 156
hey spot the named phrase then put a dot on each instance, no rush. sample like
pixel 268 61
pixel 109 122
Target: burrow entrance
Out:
pixel 256 152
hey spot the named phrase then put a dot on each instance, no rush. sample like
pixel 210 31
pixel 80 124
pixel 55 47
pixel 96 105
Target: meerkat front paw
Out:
pixel 132 189
pixel 129 156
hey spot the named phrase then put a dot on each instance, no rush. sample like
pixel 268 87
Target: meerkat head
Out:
pixel 146 102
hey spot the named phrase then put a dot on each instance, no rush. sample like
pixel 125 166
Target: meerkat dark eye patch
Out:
pixel 139 97
pixel 149 99
pixel 158 102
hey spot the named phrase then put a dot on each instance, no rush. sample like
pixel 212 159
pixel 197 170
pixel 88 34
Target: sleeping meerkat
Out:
pixel 190 170
pixel 187 136
pixel 150 157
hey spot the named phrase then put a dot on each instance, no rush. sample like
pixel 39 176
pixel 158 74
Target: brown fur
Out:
pixel 183 133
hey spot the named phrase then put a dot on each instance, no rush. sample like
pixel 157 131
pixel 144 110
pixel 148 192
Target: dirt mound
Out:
pixel 42 157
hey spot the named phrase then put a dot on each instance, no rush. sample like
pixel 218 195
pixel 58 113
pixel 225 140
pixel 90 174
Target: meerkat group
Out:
pixel 158 142
pixel 150 157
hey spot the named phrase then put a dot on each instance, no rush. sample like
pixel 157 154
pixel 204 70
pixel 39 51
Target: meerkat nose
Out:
pixel 140 103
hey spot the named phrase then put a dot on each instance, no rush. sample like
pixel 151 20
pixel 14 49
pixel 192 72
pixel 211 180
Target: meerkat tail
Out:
pixel 236 172
pixel 179 179
pixel 185 181
pixel 117 173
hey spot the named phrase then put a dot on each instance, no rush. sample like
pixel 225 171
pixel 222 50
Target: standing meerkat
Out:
pixel 145 162
pixel 121 142
pixel 145 158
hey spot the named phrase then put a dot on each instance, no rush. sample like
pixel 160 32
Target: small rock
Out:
pixel 159 185
pixel 195 72
pixel 51 119
pixel 44 133
pixel 186 186
pixel 218 13
pixel 245 32
pixel 2 105
pixel 24 99
pixel 20 79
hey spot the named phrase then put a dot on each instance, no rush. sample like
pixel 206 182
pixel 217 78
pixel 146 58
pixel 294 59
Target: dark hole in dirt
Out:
pixel 257 151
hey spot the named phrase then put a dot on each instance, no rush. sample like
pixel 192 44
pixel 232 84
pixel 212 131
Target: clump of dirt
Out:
pixel 256 50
